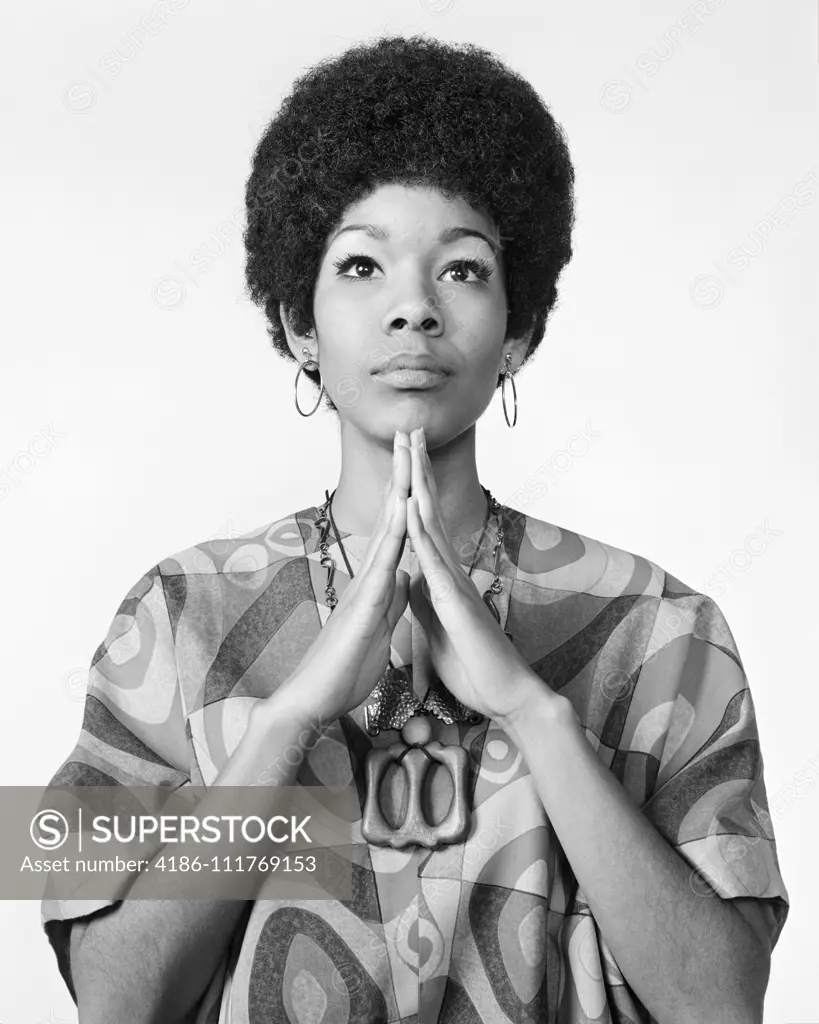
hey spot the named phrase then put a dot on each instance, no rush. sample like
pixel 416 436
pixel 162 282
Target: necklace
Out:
pixel 394 705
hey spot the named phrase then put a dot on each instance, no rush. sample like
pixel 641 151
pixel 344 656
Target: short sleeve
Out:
pixel 133 730
pixel 709 798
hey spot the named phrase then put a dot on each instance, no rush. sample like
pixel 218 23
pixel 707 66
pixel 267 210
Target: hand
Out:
pixel 350 654
pixel 469 650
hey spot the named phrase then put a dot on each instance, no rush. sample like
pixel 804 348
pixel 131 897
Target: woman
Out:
pixel 592 840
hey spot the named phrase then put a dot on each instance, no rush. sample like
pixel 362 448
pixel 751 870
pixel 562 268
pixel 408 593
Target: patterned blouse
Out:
pixel 492 929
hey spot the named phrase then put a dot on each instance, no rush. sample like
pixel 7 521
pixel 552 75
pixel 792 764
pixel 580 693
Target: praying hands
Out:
pixel 468 648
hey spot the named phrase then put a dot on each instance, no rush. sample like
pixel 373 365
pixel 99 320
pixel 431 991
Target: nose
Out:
pixel 414 313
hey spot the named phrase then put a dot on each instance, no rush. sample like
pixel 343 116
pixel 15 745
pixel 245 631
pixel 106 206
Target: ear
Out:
pixel 518 347
pixel 296 342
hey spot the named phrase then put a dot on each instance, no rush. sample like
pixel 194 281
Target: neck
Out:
pixel 366 469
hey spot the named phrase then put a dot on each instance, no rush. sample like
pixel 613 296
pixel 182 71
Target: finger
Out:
pixel 420 486
pixel 439 575
pixel 443 532
pixel 403 467
pixel 382 590
pixel 397 488
pixel 400 599
pixel 421 605
pixel 430 514
pixel 463 554
pixel 380 576
pixel 443 538
pixel 431 483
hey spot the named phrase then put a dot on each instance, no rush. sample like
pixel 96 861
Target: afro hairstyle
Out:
pixel 412 111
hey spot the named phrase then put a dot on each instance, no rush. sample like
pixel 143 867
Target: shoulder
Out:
pixel 260 549
pixel 557 557
pixel 219 579
pixel 601 590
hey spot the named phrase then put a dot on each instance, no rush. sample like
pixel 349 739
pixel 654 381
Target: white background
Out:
pixel 696 373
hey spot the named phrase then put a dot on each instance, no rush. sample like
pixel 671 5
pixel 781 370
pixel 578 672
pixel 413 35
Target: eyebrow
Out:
pixel 446 237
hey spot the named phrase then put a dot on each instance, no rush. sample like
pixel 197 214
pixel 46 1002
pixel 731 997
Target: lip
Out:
pixel 411 361
pixel 408 378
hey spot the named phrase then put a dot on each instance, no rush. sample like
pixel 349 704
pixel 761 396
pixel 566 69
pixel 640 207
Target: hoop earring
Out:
pixel 308 364
pixel 508 376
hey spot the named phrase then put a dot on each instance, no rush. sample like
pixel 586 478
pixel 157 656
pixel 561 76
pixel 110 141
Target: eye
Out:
pixel 356 260
pixel 480 268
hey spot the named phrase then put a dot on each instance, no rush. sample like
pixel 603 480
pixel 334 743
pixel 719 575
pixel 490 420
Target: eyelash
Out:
pixel 480 268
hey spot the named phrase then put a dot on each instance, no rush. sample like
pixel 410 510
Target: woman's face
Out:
pixel 409 273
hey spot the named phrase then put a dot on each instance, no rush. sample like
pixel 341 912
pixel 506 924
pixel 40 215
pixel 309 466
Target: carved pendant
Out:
pixel 393 705
pixel 414 755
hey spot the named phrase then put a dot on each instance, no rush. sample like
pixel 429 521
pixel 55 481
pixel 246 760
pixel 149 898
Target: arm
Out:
pixel 151 960
pixel 689 959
